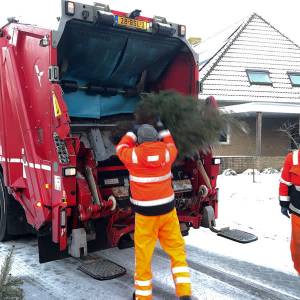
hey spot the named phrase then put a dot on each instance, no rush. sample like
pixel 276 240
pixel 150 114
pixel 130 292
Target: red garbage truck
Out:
pixel 63 93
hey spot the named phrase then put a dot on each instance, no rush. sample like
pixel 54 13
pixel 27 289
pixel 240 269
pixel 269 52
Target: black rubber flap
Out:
pixel 102 269
pixel 237 235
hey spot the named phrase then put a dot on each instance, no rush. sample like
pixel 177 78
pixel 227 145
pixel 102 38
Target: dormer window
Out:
pixel 259 77
pixel 294 78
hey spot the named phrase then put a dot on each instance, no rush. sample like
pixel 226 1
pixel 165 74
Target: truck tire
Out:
pixel 3 210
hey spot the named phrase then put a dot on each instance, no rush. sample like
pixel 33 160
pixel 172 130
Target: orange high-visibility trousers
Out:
pixel 295 242
pixel 166 229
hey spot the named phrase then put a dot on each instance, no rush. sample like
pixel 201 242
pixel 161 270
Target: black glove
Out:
pixel 285 211
pixel 160 125
pixel 135 129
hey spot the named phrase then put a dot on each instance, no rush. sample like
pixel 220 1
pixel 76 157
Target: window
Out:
pixel 224 137
pixel 294 78
pixel 259 77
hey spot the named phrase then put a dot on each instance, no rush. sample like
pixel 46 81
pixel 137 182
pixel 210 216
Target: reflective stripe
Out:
pixel 295 157
pixel 295 209
pixel 284 198
pixel 121 146
pixel 182 280
pixel 167 156
pixel 285 182
pixel 143 282
pixel 150 179
pixel 180 270
pixel 23 170
pixel 153 158
pixel 147 203
pixel 15 160
pixel 164 133
pixel 46 168
pixel 143 293
pixel 134 157
pixel 25 164
pixel 132 135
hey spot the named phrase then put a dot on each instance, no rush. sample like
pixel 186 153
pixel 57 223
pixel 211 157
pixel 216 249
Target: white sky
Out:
pixel 204 18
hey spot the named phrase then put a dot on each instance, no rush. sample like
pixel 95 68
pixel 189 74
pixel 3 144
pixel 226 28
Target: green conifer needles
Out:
pixel 194 124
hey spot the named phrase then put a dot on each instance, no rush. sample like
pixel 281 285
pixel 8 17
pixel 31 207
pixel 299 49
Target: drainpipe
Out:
pixel 258 139
pixel 258 133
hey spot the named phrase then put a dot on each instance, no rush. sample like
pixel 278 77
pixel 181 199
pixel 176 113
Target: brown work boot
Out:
pixel 185 298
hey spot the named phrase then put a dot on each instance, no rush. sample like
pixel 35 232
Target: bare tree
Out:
pixel 292 131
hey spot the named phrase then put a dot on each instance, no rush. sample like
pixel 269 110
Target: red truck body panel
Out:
pixel 35 129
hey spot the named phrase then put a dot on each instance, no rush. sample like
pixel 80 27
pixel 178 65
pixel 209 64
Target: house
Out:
pixel 255 75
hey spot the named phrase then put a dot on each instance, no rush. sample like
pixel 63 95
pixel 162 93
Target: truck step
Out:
pixel 102 269
pixel 237 235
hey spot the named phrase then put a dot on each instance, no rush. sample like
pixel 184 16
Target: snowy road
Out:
pixel 220 268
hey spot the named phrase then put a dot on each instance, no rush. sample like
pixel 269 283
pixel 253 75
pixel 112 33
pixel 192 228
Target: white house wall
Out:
pixel 256 45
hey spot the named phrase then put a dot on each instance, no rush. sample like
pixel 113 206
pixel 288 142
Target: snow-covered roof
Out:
pixel 208 47
pixel 266 108
pixel 255 44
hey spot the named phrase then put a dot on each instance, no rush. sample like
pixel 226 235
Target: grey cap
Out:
pixel 147 133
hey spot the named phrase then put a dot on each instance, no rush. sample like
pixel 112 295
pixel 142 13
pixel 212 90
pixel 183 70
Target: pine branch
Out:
pixel 194 124
pixel 9 286
pixel 14 281
pixel 5 269
pixel 12 294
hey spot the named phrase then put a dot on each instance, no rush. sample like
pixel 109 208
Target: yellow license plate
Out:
pixel 138 24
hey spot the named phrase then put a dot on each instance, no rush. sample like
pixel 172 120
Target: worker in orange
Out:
pixel 149 157
pixel 289 197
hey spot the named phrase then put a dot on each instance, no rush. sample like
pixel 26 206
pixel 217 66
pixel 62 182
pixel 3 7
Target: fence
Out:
pixel 242 163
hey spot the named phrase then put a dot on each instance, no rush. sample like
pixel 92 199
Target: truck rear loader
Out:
pixel 62 94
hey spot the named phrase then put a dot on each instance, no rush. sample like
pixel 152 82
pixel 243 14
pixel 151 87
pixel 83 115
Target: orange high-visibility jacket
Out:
pixel 289 187
pixel 149 165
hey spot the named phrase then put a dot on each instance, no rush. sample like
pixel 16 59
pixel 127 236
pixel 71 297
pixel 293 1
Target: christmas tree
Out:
pixel 194 124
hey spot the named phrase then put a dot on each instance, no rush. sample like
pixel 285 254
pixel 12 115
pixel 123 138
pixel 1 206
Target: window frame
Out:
pixel 295 74
pixel 227 130
pixel 259 71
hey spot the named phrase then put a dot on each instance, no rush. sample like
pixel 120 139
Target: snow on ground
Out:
pixel 253 207
pixel 251 204
pixel 221 269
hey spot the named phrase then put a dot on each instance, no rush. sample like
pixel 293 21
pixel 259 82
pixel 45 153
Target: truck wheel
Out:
pixel 3 211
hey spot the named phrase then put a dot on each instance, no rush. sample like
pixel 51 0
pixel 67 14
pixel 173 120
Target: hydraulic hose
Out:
pixel 92 185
